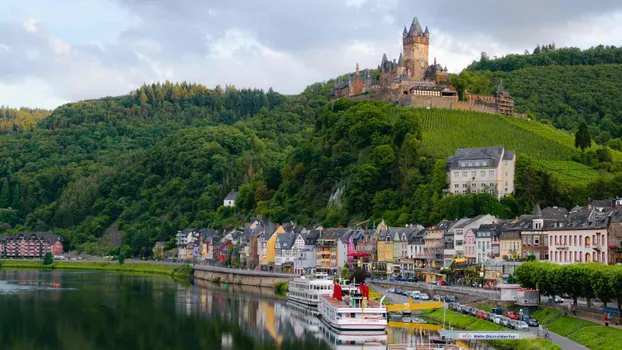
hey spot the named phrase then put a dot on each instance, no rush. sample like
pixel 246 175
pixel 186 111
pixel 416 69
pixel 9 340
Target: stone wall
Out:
pixel 241 277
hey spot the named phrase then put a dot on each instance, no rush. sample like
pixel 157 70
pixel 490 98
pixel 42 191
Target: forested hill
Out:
pixel 549 55
pixel 139 167
pixel 564 86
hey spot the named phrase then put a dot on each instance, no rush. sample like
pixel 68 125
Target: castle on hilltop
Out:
pixel 412 81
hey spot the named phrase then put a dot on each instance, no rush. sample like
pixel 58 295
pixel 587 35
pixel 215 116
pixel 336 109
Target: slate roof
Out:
pixel 487 153
pixel 417 237
pixel 335 233
pixel 286 240
pixel 509 235
pixel 233 195
pixel 46 236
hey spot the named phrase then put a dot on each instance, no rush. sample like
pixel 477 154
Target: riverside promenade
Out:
pixel 241 276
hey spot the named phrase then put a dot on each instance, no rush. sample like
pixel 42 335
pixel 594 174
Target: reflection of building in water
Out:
pixel 226 341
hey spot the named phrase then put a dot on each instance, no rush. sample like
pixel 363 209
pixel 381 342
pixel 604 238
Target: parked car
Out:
pixel 412 279
pixel 437 298
pixel 497 311
pixel 559 299
pixel 424 296
pixel 451 299
pixel 520 326
pixel 481 314
pixel 443 283
pixel 473 311
pixel 494 318
pixel 531 322
pixel 504 321
pixel 454 306
pixel 512 315
pixel 391 290
pixel 432 282
pixel 465 309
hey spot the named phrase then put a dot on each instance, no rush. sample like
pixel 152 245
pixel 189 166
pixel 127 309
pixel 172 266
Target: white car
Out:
pixel 559 299
pixel 415 294
pixel 391 290
pixel 424 296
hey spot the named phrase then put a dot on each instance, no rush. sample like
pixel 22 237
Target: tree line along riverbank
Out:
pixel 176 271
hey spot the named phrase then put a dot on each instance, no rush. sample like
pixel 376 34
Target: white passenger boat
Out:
pixel 352 311
pixel 307 291
pixel 354 340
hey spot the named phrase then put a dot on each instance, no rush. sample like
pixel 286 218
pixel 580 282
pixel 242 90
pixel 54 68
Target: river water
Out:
pixel 106 310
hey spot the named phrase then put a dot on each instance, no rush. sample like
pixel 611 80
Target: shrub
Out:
pixel 281 288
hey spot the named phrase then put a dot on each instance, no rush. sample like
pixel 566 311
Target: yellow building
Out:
pixel 510 245
pixel 269 257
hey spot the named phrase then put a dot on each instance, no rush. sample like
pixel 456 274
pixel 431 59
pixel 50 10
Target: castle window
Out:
pixel 491 173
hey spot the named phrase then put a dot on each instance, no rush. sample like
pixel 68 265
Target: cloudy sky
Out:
pixel 52 52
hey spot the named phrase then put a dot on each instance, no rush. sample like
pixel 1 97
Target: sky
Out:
pixel 54 52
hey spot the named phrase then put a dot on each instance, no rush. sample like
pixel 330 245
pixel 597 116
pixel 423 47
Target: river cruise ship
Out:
pixel 351 310
pixel 307 291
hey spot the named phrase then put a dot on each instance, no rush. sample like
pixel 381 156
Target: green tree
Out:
pixel 121 259
pixel 143 98
pixel 17 197
pixel 582 138
pixel 5 195
pixel 48 259
pixel 345 272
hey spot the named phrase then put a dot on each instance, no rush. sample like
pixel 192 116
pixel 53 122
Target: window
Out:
pixel 506 184
pixel 473 173
pixel 506 174
pixel 463 191
pixel 470 164
pixel 536 240
pixel 464 185
pixel 476 163
pixel 482 173
pixel 456 192
pixel 456 174
pixel 479 245
pixel 491 173
pixel 464 174
pixel 456 186
pixel 473 185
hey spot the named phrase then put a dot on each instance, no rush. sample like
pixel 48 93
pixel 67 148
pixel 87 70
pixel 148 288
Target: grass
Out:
pixel 384 302
pixel 590 334
pixel 88 265
pixel 444 131
pixel 461 321
pixel 486 308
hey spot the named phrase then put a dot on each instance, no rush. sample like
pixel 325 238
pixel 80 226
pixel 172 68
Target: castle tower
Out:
pixel 416 43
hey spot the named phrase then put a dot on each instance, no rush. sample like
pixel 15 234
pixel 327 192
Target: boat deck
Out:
pixel 337 303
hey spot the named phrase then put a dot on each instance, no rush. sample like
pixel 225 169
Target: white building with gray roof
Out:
pixel 479 170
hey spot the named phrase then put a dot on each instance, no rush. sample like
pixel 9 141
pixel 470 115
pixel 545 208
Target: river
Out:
pixel 106 310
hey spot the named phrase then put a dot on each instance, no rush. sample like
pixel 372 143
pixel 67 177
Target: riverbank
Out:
pixel 590 334
pixel 470 323
pixel 152 268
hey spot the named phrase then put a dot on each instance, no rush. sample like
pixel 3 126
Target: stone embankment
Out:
pixel 240 276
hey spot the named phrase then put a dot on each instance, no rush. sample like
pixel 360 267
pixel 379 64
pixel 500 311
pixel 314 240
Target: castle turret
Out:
pixel 415 47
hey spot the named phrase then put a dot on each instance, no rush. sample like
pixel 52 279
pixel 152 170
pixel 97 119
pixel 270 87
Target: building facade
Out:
pixel 482 170
pixel 31 245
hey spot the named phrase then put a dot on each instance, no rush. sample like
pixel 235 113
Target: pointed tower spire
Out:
pixel 500 86
pixel 405 31
pixel 434 61
pixel 415 27
pixel 400 61
pixel 427 31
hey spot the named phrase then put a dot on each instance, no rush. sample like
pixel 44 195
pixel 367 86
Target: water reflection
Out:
pixel 100 310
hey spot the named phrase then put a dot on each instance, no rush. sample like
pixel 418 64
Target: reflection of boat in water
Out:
pixel 308 291
pixel 345 340
pixel 351 309
pixel 305 316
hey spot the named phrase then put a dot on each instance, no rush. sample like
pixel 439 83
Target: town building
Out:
pixel 229 200
pixel 510 245
pixel 31 245
pixel 433 245
pixel 482 170
pixel 416 260
pixel 412 80
pixel 331 251
pixel 581 237
pixel 462 226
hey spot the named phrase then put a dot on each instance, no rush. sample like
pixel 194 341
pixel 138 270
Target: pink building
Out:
pixel 31 245
pixel 469 244
pixel 571 245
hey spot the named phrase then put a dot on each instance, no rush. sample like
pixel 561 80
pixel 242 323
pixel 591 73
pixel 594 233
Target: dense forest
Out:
pixel 134 169
pixel 22 119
